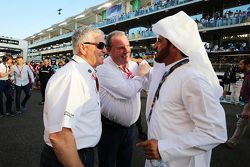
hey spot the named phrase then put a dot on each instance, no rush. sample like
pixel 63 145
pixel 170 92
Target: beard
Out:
pixel 161 55
pixel 242 69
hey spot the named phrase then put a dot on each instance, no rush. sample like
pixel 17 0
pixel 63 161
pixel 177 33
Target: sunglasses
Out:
pixel 99 45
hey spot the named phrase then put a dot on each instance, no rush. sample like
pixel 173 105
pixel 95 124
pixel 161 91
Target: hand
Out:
pixel 150 148
pixel 11 71
pixel 137 60
pixel 143 69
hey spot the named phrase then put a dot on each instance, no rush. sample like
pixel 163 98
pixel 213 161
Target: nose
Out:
pixel 155 46
pixel 104 50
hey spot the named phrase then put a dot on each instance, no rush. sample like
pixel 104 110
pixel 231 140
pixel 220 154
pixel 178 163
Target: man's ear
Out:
pixel 82 48
pixel 174 49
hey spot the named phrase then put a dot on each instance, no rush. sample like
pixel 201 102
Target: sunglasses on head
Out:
pixel 99 45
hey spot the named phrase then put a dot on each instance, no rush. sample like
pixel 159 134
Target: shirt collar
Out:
pixel 171 65
pixel 79 60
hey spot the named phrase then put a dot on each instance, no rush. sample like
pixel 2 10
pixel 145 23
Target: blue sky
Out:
pixel 23 18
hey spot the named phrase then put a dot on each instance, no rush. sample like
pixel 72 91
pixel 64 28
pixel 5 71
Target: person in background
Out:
pixel 121 81
pixel 11 79
pixel 60 65
pixel 22 78
pixel 72 114
pixel 243 118
pixel 184 115
pixel 46 71
pixel 37 69
pixel 236 84
pixel 226 82
pixel 5 85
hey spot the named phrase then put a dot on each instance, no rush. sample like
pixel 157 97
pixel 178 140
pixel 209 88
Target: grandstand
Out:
pixel 224 26
pixel 13 46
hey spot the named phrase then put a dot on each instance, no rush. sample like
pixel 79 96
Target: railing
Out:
pixel 223 21
pixel 144 11
pixel 66 35
pixel 124 17
pixel 62 49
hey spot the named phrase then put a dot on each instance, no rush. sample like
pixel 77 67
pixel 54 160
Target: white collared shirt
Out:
pixel 187 119
pixel 72 101
pixel 4 69
pixel 120 96
pixel 21 76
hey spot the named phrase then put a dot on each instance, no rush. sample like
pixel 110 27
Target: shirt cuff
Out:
pixel 55 128
pixel 68 120
pixel 163 145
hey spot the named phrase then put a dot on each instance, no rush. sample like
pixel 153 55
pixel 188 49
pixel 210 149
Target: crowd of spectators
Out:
pixel 219 19
pixel 142 11
pixel 229 47
pixel 55 46
pixel 220 63
pixel 141 34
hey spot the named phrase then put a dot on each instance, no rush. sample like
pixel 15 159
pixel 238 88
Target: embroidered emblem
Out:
pixel 69 114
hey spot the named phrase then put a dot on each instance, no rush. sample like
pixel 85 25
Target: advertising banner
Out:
pixel 114 10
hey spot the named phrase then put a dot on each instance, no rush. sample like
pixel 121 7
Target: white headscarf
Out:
pixel 182 31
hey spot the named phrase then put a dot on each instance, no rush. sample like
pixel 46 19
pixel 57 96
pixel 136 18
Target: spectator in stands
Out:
pixel 5 86
pixel 183 99
pixel 242 122
pixel 226 82
pixel 45 72
pixel 22 75
pixel 121 81
pixel 72 116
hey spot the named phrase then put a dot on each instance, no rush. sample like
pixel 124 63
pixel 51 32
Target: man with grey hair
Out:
pixel 184 115
pixel 72 116
pixel 121 81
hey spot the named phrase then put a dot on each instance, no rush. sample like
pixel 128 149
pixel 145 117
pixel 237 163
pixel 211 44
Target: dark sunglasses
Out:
pixel 99 45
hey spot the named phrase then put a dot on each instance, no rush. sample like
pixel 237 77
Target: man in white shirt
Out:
pixel 120 83
pixel 72 114
pixel 5 86
pixel 184 115
pixel 22 74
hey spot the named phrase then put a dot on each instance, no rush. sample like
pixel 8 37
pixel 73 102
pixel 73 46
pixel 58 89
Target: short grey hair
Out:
pixel 110 35
pixel 84 35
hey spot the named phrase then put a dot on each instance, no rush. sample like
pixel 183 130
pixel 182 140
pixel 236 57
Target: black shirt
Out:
pixel 45 73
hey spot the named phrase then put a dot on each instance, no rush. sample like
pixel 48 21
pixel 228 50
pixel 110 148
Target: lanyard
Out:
pixel 164 77
pixel 127 71
pixel 20 71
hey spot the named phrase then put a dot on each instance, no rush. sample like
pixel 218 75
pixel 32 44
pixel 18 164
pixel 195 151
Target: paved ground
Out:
pixel 21 140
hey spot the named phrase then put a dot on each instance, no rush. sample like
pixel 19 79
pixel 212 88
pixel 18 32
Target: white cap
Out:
pixel 182 31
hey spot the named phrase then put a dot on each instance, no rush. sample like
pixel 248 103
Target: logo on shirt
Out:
pixel 69 114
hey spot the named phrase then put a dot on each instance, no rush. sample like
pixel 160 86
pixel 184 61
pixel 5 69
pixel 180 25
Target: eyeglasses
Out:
pixel 99 45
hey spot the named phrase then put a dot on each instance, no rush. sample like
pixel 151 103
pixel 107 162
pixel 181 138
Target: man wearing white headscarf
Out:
pixel 185 118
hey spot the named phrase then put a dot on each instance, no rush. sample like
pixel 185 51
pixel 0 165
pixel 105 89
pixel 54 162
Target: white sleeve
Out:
pixel 63 102
pixel 116 85
pixel 31 75
pixel 209 119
